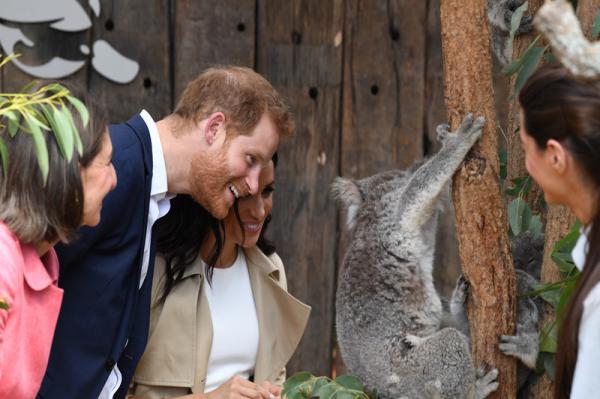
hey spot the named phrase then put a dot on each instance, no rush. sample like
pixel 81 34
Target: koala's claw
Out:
pixel 461 291
pixel 485 384
pixel 442 131
pixel 411 341
pixel 523 347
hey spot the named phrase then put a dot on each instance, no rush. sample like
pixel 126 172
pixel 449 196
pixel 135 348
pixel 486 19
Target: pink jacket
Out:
pixel 28 285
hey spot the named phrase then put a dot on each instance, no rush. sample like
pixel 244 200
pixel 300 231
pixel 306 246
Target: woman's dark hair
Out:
pixel 35 211
pixel 180 234
pixel 558 106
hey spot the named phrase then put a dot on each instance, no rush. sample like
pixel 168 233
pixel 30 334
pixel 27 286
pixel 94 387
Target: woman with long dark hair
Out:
pixel 560 132
pixel 222 322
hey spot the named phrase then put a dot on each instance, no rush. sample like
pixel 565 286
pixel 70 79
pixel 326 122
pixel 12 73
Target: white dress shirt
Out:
pixel 158 207
pixel 586 383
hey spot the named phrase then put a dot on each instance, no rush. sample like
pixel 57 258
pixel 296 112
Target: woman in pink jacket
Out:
pixel 33 217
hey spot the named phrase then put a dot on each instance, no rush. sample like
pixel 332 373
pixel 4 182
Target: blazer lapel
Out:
pixel 281 317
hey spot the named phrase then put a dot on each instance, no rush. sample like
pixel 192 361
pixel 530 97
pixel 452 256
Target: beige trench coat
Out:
pixel 176 356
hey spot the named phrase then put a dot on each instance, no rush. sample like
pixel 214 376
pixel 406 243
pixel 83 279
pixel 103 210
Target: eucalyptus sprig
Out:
pixel 39 110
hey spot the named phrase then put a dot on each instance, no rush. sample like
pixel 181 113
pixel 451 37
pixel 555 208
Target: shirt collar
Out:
pixel 42 272
pixel 159 170
pixel 580 250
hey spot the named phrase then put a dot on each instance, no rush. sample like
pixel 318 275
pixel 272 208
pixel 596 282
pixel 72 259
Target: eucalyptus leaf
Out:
pixel 536 227
pixel 519 215
pixel 596 26
pixel 549 338
pixel 41 149
pixel 515 22
pixel 81 108
pixel 78 145
pixel 4 156
pixel 13 127
pixel 328 390
pixel 515 65
pixel 62 131
pixel 530 62
pixel 27 88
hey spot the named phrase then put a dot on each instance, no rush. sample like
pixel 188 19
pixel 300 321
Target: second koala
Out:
pixel 388 312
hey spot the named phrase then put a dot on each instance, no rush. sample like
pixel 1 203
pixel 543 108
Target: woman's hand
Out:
pixel 273 389
pixel 238 387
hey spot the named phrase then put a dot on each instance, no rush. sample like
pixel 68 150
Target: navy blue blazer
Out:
pixel 104 316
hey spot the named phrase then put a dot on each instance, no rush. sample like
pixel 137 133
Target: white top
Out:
pixel 586 383
pixel 158 207
pixel 234 322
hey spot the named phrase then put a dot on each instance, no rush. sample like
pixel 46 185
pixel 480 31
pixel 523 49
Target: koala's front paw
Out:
pixel 459 295
pixel 412 341
pixel 469 131
pixel 524 347
pixel 526 24
pixel 485 383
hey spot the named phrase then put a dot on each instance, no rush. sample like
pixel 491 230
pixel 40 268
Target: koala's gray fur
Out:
pixel 388 313
pixel 527 254
pixel 499 13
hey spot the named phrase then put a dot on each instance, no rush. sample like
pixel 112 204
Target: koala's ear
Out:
pixel 347 193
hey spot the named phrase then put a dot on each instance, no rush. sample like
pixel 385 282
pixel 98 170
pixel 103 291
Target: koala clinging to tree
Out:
pixel 499 13
pixel 388 312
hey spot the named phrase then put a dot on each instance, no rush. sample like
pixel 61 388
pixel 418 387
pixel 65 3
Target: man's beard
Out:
pixel 210 179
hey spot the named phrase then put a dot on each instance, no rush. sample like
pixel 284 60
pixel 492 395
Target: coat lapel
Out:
pixel 281 317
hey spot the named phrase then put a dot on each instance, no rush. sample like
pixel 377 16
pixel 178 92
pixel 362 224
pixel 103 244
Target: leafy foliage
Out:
pixel 304 385
pixel 37 111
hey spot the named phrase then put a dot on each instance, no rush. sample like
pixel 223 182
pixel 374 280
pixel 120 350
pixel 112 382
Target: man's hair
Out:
pixel 35 211
pixel 241 94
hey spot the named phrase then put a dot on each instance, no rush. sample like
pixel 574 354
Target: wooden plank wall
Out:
pixel 363 78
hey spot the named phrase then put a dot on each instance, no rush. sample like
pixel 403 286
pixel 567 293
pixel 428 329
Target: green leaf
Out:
pixel 62 130
pixel 530 62
pixel 515 21
pixel 350 382
pixel 519 215
pixel 4 156
pixel 536 227
pixel 27 88
pixel 290 387
pixel 596 26
pixel 564 261
pixel 549 338
pixel 78 145
pixel 567 243
pixel 41 149
pixel 81 108
pixel 515 65
pixel 328 390
pixel 4 305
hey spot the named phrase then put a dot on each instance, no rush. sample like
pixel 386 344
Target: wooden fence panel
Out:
pixel 211 32
pixel 300 52
pixel 140 31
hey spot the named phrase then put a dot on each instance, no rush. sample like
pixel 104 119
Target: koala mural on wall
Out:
pixel 66 16
pixel 388 313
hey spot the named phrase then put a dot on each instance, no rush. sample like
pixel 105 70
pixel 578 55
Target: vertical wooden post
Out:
pixel 480 213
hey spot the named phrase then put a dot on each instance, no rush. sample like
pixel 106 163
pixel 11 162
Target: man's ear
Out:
pixel 215 124
pixel 558 156
pixel 347 193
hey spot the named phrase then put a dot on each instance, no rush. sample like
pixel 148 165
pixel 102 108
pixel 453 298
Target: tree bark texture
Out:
pixel 480 212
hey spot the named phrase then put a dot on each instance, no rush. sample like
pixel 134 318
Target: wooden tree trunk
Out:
pixel 480 213
pixel 559 219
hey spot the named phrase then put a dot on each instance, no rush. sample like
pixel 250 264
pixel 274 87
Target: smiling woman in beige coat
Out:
pixel 223 324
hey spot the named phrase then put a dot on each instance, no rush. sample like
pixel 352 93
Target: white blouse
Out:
pixel 234 322
pixel 586 383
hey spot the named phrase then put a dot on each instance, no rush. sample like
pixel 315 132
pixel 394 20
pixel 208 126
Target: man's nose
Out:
pixel 252 181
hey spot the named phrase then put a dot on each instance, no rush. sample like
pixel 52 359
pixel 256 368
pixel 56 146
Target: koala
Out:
pixel 388 313
pixel 527 254
pixel 499 13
